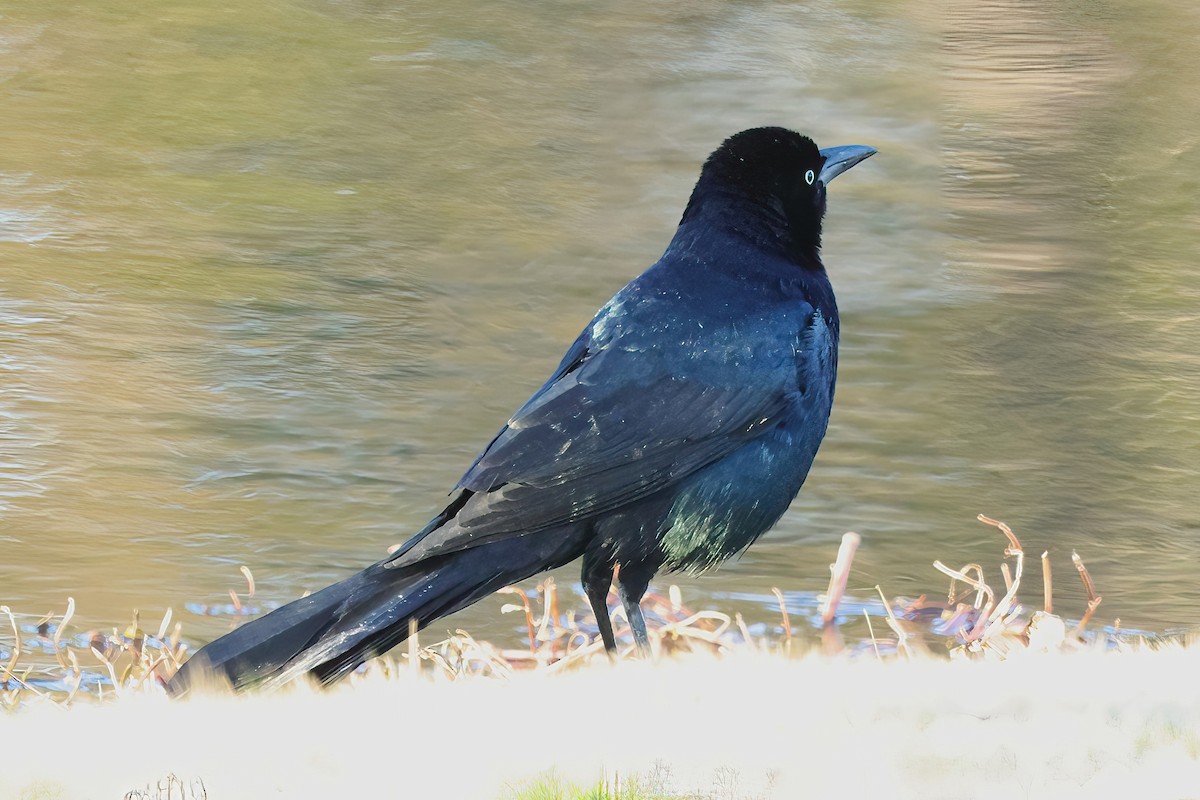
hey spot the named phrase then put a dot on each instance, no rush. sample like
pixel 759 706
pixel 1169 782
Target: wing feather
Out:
pixel 619 420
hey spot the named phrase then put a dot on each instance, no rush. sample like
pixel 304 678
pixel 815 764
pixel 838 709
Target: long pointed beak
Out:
pixel 840 159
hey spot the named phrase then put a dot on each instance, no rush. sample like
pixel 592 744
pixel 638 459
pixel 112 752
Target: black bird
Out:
pixel 675 431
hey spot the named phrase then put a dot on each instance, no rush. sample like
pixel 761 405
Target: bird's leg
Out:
pixel 597 578
pixel 637 623
pixel 632 581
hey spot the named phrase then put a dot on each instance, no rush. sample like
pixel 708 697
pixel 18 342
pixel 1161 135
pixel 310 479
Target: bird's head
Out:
pixel 780 174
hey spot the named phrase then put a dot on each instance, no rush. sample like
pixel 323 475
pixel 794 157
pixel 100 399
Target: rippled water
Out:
pixel 270 276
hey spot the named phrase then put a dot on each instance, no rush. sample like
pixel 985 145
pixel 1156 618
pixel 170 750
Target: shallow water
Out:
pixel 271 275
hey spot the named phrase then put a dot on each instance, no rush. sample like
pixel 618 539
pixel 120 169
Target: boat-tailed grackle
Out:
pixel 675 431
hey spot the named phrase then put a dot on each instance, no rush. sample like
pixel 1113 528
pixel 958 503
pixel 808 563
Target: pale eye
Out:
pixel 809 177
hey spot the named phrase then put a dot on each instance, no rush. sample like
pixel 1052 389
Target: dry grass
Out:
pixel 721 713
pixel 975 620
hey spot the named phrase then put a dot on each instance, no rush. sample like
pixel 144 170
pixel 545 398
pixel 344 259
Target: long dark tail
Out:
pixel 331 632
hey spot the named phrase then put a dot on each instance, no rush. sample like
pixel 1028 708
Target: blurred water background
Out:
pixel 271 274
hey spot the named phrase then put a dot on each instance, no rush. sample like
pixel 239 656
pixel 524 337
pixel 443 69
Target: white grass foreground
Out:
pixel 1088 724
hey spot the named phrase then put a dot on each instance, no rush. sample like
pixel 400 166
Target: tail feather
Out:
pixel 333 631
pixel 261 650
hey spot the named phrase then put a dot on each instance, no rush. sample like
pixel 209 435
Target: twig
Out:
pixel 78 675
pixel 1007 531
pixel 684 626
pixel 871 630
pixel 1011 582
pixel 249 579
pixel 112 673
pixel 981 589
pixel 162 627
pixel 9 675
pixel 1088 586
pixel 839 573
pixel 553 594
pixel 978 585
pixel 1093 598
pixel 901 635
pixel 1047 591
pixel 16 653
pixel 58 632
pixel 528 613
pixel 23 683
pixel 787 623
pixel 543 628
pixel 975 583
pixel 999 618
pixel 741 623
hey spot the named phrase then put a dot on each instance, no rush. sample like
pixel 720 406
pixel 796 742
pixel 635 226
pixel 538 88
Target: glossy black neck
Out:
pixel 761 220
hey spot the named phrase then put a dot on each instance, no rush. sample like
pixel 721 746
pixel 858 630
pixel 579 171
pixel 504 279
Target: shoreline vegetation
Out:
pixel 562 682
pixel 974 619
